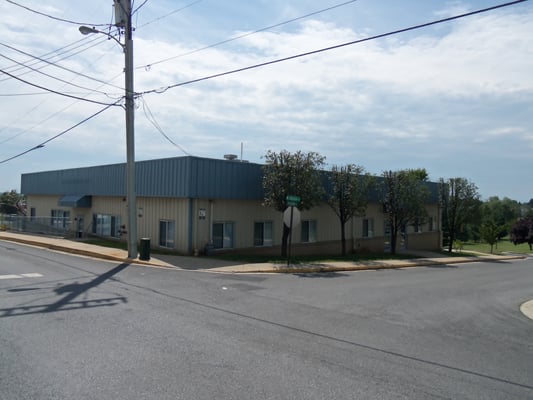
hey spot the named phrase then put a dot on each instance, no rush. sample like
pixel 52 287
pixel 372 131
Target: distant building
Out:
pixel 187 203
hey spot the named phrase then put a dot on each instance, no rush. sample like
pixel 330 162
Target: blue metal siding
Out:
pixel 183 177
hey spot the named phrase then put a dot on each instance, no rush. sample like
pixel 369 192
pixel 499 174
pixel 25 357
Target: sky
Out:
pixel 455 98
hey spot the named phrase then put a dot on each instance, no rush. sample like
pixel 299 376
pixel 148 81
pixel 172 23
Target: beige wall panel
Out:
pixel 43 204
pixel 153 210
pixel 243 214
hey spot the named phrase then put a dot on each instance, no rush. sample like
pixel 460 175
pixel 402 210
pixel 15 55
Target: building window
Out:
pixel 263 233
pixel 309 231
pixel 33 213
pixel 166 233
pixel 60 219
pixel 106 225
pixel 223 235
pixel 368 227
pixel 431 224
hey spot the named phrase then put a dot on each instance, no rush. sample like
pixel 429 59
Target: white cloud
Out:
pixel 411 100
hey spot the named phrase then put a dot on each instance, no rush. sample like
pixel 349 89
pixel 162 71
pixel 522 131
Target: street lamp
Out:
pixel 123 19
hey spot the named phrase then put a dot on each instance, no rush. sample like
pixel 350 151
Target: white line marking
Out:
pixel 10 276
pixel 13 276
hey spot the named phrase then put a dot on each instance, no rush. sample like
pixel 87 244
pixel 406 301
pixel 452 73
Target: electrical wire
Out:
pixel 53 77
pixel 44 120
pixel 138 8
pixel 38 60
pixel 231 39
pixel 170 13
pixel 53 64
pixel 353 42
pixel 150 117
pixel 41 145
pixel 51 16
pixel 53 91
pixel 50 55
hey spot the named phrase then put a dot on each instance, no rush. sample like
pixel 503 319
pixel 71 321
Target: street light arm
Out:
pixel 86 30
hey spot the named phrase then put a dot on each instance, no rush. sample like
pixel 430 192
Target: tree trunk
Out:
pixel 343 239
pixel 285 240
pixel 451 238
pixel 393 237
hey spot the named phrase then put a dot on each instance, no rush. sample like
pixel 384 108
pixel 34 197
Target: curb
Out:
pixel 527 309
pixel 271 268
pixel 87 253
pixel 396 264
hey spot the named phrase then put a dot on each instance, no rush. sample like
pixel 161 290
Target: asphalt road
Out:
pixel 73 328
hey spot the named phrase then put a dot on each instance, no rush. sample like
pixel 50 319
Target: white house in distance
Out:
pixel 187 203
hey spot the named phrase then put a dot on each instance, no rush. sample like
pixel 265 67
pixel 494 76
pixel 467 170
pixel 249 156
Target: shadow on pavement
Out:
pixel 67 302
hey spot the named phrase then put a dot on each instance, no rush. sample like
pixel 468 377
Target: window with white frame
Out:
pixel 309 231
pixel 166 233
pixel 263 233
pixel 431 224
pixel 368 227
pixel 223 235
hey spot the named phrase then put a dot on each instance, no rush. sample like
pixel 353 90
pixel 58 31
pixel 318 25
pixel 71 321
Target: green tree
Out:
pixel 348 196
pixel 297 174
pixel 489 233
pixel 403 194
pixel 503 212
pixel 522 232
pixel 12 203
pixel 459 199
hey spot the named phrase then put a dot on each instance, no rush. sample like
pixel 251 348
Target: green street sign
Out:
pixel 293 201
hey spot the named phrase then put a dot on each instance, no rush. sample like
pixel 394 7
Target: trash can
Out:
pixel 144 249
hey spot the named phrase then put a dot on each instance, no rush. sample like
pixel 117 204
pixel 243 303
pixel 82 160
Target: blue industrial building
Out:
pixel 187 203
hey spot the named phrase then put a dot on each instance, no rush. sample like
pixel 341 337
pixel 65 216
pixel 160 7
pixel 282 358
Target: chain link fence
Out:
pixel 50 226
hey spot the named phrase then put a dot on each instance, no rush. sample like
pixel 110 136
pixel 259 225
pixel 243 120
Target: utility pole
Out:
pixel 123 19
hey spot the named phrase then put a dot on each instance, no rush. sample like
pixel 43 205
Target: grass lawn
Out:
pixel 503 246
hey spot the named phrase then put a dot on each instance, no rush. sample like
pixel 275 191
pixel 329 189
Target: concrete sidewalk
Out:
pixel 221 266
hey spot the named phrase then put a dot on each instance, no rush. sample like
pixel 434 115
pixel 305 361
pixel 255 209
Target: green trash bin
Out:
pixel 144 249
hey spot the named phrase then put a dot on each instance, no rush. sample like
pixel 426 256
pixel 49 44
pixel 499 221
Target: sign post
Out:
pixel 292 201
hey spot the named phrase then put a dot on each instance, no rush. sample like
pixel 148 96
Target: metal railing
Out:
pixel 52 226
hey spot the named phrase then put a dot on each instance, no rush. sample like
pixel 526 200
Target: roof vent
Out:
pixel 230 157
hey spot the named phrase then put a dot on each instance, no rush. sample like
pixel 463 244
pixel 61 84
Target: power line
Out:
pixel 170 13
pixel 56 53
pixel 263 64
pixel 51 16
pixel 52 77
pixel 42 121
pixel 41 145
pixel 150 117
pixel 53 91
pixel 138 8
pixel 231 39
pixel 55 65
